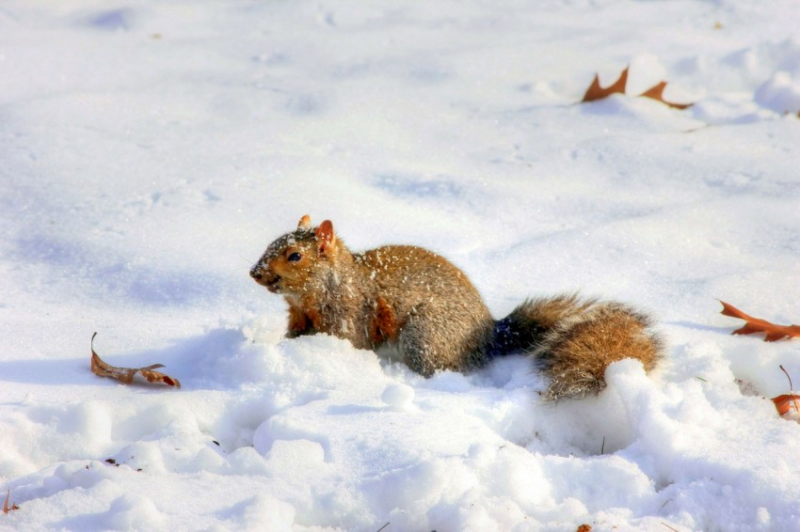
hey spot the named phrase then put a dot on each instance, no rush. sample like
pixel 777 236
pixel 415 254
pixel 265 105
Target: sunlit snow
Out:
pixel 152 150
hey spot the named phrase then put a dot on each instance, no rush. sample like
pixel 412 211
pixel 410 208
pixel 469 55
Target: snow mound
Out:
pixel 781 93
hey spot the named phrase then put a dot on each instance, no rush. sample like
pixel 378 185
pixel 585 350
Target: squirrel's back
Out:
pixel 443 322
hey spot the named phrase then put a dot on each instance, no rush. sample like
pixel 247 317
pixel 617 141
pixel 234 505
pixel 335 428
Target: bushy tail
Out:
pixel 574 340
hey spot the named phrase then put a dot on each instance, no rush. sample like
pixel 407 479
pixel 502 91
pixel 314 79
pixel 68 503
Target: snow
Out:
pixel 152 150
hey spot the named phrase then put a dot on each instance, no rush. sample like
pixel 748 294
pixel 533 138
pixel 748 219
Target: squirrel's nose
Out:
pixel 255 273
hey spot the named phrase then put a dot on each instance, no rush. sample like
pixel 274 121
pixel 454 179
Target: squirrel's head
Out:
pixel 294 260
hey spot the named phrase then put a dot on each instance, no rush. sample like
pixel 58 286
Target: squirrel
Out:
pixel 414 300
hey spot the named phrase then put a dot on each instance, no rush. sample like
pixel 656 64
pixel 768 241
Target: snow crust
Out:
pixel 151 150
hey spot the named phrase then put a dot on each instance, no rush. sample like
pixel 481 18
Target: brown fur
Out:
pixel 581 338
pixel 413 299
pixel 384 325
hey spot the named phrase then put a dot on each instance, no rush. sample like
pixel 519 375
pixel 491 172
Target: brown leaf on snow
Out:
pixel 584 528
pixel 788 405
pixel 102 369
pixel 596 92
pixel 657 93
pixel 756 325
pixel 6 509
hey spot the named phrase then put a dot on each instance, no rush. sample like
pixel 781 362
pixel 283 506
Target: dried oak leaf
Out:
pixel 657 93
pixel 788 405
pixel 6 509
pixel 102 369
pixel 756 325
pixel 596 92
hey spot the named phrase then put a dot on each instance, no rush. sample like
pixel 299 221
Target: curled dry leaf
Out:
pixel 596 92
pixel 788 405
pixel 102 369
pixel 656 92
pixel 756 325
pixel 13 507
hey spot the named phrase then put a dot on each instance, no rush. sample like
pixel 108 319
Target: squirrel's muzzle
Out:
pixel 265 278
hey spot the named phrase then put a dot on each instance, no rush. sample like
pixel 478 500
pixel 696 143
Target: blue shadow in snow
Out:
pixel 190 360
pixel 112 20
pixel 114 277
pixel 411 187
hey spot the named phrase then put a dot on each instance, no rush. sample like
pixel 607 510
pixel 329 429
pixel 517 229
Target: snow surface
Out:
pixel 151 150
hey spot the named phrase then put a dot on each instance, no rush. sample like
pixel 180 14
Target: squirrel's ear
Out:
pixel 326 239
pixel 305 222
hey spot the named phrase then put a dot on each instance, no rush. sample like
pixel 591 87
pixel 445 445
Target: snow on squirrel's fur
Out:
pixel 151 150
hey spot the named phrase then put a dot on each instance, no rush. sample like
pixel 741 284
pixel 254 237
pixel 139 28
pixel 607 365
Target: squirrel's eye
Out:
pixel 294 257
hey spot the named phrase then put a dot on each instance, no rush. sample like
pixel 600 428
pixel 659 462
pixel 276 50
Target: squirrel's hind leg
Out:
pixel 424 348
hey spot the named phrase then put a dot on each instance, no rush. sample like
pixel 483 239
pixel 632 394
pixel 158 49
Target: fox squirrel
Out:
pixel 412 299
